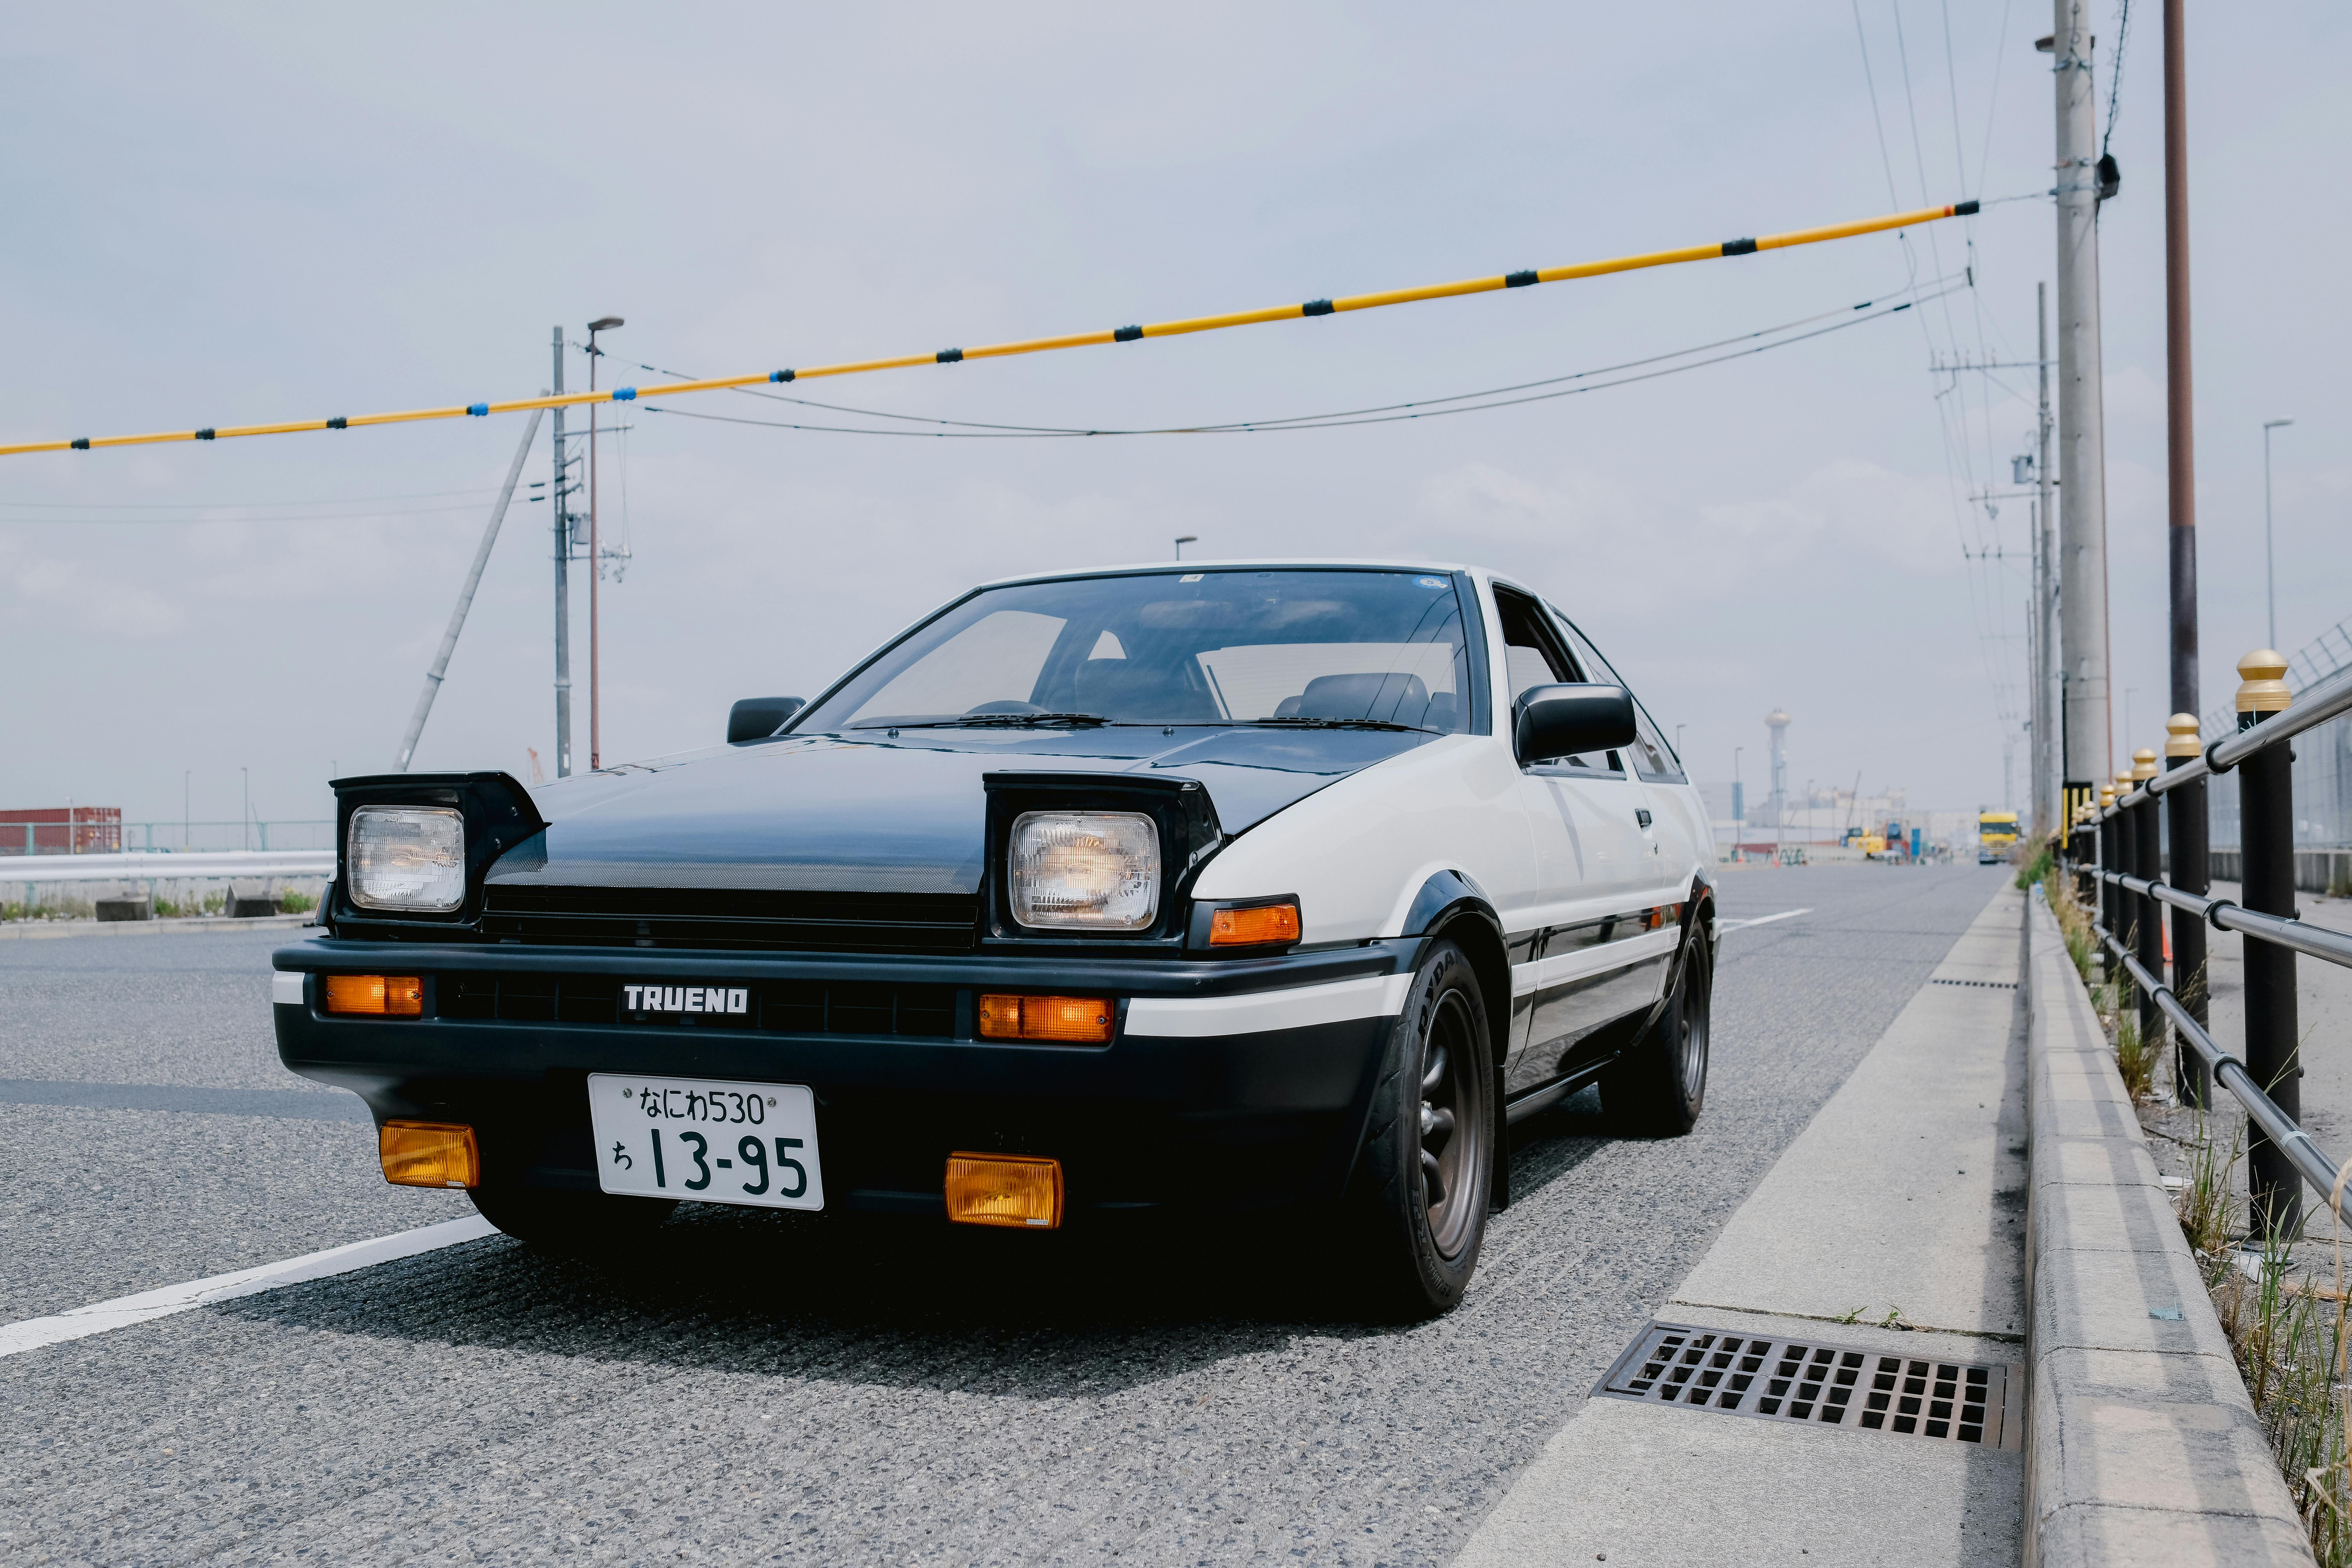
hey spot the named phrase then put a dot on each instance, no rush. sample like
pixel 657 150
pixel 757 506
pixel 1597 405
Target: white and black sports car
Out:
pixel 1240 887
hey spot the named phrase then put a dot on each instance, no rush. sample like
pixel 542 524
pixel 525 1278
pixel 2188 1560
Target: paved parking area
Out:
pixel 759 1386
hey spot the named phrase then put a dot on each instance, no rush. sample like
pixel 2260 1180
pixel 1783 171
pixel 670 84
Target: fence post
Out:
pixel 2146 913
pixel 2106 864
pixel 2266 832
pixel 2085 832
pixel 2185 818
pixel 2127 906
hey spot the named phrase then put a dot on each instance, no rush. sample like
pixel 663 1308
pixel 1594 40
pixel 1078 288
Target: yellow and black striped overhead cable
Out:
pixel 1039 346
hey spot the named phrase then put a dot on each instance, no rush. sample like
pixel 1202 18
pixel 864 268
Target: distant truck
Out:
pixel 1996 836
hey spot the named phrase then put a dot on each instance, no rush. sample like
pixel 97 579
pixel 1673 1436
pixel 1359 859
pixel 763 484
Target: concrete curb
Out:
pixel 38 931
pixel 2142 1446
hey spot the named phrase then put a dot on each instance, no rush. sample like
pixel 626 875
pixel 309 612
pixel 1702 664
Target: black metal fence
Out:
pixel 2116 851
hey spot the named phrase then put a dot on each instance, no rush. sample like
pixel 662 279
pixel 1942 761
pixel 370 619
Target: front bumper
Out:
pixel 1238 1084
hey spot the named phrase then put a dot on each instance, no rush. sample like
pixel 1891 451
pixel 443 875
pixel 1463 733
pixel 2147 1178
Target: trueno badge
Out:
pixel 686 999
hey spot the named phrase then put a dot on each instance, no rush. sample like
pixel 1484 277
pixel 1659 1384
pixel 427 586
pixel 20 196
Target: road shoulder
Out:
pixel 1899 1204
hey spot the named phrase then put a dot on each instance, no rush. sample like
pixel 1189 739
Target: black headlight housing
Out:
pixel 497 813
pixel 1179 808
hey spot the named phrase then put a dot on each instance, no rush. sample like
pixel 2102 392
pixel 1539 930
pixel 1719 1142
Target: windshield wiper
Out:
pixel 1293 721
pixel 1004 721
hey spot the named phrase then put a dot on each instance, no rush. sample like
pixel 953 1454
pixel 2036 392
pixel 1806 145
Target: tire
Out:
pixel 1659 1087
pixel 558 1221
pixel 1427 1168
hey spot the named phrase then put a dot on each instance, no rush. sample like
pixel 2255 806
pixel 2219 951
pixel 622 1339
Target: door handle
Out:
pixel 1641 816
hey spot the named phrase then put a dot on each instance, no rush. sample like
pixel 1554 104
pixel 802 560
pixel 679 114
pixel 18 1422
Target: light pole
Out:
pixel 187 817
pixel 2270 562
pixel 245 828
pixel 595 562
pixel 1182 540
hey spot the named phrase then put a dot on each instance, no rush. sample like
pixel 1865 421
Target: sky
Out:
pixel 282 213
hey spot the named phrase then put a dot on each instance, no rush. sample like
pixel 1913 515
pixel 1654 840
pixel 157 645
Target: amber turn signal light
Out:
pixel 429 1154
pixel 1254 928
pixel 1005 1189
pixel 1067 1020
pixel 383 995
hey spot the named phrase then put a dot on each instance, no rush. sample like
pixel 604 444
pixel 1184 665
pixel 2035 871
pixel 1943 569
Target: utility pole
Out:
pixel 2087 722
pixel 2049 808
pixel 595 557
pixel 562 583
pixel 2180 434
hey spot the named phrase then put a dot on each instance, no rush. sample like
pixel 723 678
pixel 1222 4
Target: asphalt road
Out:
pixel 754 1386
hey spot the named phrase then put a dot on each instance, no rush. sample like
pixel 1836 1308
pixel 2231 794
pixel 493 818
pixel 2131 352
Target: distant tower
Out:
pixel 1777 722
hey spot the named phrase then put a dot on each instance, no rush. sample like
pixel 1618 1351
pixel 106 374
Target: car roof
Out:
pixel 1277 564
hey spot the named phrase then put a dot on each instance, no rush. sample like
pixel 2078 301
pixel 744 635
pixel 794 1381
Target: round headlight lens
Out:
pixel 1094 870
pixel 408 857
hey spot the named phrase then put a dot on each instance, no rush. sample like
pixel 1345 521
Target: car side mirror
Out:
pixel 757 717
pixel 1568 720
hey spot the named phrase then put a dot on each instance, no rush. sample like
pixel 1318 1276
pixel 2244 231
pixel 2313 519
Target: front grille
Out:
pixel 1825 1384
pixel 708 918
pixel 784 1007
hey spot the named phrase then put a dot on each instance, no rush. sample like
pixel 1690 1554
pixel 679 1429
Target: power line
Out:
pixel 2116 80
pixel 1310 308
pixel 1336 420
pixel 1846 310
pixel 249 505
pixel 371 516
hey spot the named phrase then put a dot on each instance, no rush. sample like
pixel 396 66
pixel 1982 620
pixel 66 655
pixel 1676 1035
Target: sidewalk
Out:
pixel 1893 1225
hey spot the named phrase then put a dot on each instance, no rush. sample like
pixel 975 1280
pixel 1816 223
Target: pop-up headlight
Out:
pixel 409 857
pixel 1093 870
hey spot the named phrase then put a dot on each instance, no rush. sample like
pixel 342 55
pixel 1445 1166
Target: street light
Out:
pixel 595 561
pixel 1182 540
pixel 2270 563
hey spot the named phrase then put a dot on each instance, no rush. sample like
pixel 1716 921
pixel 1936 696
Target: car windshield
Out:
pixel 1230 647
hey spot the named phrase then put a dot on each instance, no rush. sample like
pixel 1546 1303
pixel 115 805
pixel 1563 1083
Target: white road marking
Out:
pixel 1759 921
pixel 122 1311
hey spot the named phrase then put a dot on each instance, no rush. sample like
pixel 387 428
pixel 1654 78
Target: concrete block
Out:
pixel 2082 1116
pixel 2102 1533
pixel 2107 1161
pixel 2101 1300
pixel 2172 1434
pixel 128 908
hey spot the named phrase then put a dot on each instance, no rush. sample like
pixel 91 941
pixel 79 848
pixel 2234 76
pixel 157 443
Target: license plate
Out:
pixel 707 1141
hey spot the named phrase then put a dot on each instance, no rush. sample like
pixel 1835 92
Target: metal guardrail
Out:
pixel 2231 1074
pixel 167 866
pixel 2114 851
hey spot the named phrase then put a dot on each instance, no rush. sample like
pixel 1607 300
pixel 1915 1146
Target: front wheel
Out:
pixel 1428 1163
pixel 554 1220
pixel 1658 1088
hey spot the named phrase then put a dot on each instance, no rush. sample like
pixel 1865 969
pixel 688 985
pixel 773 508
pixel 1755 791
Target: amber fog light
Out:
pixel 429 1154
pixel 1005 1189
pixel 381 995
pixel 1063 1020
pixel 1253 928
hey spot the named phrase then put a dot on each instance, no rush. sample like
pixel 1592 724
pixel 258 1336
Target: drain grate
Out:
pixel 1830 1385
pixel 1982 985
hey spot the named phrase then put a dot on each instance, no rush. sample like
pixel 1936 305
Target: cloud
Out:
pixel 1583 526
pixel 124 609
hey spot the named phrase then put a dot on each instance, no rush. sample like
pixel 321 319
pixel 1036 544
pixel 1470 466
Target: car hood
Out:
pixel 879 815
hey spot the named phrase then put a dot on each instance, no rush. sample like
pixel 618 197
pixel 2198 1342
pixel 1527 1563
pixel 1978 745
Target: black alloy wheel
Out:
pixel 1659 1087
pixel 1427 1169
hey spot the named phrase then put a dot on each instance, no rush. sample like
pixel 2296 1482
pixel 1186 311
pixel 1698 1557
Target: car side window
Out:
pixel 1534 655
pixel 1653 760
